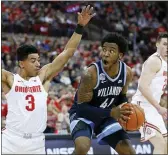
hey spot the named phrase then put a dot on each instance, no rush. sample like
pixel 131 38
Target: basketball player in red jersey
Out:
pixel 26 94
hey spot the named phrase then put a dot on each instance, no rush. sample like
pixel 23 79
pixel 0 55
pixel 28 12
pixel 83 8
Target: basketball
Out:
pixel 136 119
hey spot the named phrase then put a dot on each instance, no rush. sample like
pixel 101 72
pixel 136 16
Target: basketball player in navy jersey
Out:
pixel 99 99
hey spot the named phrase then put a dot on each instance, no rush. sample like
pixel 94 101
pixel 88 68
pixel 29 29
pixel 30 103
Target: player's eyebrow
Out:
pixel 35 58
pixel 32 58
pixel 113 47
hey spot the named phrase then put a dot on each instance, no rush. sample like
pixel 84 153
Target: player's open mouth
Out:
pixel 105 62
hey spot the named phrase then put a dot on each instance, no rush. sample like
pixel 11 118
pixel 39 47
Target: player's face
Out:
pixel 163 48
pixel 110 54
pixel 32 65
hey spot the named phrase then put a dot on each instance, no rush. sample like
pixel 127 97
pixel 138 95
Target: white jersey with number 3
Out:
pixel 27 105
pixel 158 83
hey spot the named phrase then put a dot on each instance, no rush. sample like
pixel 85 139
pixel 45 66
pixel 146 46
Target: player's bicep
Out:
pixel 151 67
pixel 85 90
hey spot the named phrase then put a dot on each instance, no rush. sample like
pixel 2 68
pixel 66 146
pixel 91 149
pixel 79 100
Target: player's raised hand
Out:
pixel 121 113
pixel 85 16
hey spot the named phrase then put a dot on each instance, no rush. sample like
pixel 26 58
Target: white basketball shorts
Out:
pixel 18 143
pixel 153 122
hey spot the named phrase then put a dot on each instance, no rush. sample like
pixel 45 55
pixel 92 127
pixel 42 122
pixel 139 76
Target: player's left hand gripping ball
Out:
pixel 85 16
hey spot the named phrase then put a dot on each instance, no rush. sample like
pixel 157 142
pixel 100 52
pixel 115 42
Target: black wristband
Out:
pixel 79 29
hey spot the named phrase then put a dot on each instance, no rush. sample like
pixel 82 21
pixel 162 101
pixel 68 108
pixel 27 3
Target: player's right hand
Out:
pixel 85 16
pixel 121 113
pixel 163 111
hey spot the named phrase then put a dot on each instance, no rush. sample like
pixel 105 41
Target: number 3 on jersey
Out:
pixel 105 103
pixel 31 105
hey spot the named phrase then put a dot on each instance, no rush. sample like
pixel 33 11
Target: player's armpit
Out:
pixel 128 80
pixel 122 97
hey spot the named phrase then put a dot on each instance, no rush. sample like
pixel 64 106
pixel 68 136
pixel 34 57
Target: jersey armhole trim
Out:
pixel 42 85
pixel 125 73
pixel 97 82
pixel 160 60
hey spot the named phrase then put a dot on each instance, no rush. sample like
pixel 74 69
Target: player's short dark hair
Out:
pixel 118 39
pixel 162 35
pixel 24 50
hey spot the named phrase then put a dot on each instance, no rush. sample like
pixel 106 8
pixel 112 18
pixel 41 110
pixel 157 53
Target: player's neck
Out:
pixel 23 74
pixel 113 70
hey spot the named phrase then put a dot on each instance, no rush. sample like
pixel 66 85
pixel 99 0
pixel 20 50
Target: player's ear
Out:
pixel 157 44
pixel 100 54
pixel 21 65
pixel 121 55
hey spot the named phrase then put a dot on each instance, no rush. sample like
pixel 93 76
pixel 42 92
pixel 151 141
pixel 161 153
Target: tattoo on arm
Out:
pixel 85 91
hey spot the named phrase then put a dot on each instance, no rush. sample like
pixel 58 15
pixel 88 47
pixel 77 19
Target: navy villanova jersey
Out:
pixel 107 90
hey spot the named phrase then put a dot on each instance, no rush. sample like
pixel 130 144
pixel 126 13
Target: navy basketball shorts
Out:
pixel 109 132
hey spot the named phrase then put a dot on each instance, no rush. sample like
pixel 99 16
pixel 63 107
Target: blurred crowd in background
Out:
pixel 48 26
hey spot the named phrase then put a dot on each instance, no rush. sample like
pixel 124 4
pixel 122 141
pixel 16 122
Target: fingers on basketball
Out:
pixel 137 118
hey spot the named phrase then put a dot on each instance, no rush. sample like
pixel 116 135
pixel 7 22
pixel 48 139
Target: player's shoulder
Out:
pixel 153 63
pixel 92 69
pixel 7 72
pixel 89 74
pixel 129 70
pixel 154 60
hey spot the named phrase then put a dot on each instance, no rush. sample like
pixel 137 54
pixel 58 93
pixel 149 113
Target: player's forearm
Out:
pixel 75 38
pixel 74 41
pixel 146 92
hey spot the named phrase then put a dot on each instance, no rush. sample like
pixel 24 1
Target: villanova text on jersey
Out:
pixel 107 90
pixel 112 90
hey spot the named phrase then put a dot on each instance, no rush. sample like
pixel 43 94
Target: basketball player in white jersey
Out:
pixel 26 94
pixel 151 85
